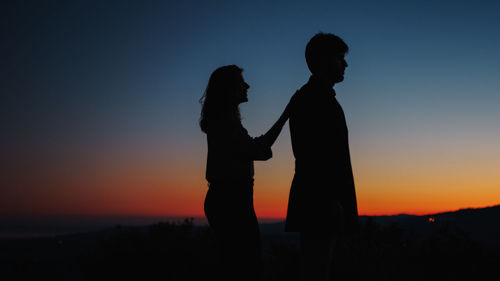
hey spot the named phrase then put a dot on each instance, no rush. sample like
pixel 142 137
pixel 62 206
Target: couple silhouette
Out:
pixel 322 202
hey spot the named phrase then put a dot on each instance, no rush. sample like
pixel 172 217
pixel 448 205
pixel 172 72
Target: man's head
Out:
pixel 325 56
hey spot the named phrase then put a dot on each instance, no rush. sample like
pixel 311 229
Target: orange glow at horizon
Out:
pixel 153 185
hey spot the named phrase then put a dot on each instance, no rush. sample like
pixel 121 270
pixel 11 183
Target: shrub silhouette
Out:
pixel 171 251
pixel 183 251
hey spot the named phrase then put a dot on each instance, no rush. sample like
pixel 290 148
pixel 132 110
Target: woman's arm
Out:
pixel 270 137
pixel 258 148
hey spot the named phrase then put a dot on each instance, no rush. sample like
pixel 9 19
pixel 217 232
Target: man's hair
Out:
pixel 321 46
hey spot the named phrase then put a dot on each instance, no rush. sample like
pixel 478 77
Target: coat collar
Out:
pixel 320 85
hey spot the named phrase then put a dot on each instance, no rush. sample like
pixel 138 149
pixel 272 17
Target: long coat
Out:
pixel 322 195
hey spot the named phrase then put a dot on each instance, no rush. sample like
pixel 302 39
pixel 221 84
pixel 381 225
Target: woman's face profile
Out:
pixel 241 95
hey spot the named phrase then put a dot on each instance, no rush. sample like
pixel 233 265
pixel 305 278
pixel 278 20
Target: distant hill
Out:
pixel 481 225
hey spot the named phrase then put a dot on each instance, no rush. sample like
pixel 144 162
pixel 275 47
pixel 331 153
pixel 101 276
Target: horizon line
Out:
pixel 197 216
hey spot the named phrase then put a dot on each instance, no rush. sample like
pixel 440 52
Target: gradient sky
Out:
pixel 100 99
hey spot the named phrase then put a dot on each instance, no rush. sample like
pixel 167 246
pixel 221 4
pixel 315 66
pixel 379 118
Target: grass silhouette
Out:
pixel 183 251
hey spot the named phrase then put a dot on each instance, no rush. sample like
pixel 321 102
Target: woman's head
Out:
pixel 226 89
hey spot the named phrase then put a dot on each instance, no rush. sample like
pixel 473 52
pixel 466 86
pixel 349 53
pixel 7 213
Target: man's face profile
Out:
pixel 332 68
pixel 336 66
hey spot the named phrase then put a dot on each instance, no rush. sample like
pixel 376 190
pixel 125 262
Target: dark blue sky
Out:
pixel 96 79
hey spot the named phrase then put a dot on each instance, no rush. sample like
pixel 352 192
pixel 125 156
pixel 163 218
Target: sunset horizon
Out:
pixel 101 102
pixel 182 216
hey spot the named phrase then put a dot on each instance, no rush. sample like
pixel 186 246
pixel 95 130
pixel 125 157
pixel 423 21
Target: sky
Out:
pixel 100 101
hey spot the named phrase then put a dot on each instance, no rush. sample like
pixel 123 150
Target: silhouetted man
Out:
pixel 322 203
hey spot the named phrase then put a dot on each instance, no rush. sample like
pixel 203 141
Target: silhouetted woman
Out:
pixel 231 152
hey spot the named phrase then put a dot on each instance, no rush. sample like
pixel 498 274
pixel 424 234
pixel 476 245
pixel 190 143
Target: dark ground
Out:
pixel 463 245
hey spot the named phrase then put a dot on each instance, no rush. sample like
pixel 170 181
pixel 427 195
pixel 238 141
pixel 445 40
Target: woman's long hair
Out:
pixel 218 100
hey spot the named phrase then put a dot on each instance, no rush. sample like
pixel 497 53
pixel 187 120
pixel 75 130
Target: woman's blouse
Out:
pixel 231 152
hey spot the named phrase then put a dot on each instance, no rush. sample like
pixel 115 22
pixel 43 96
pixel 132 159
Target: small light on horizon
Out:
pixel 431 219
